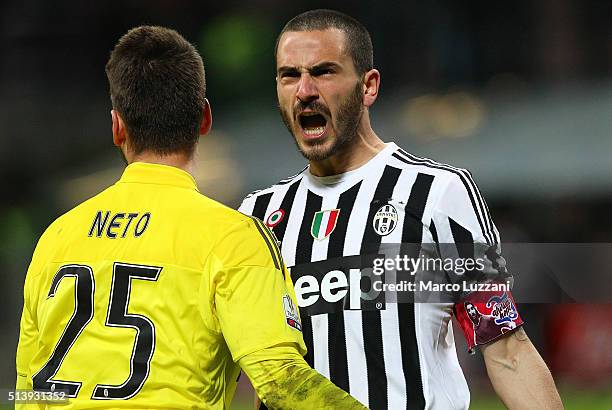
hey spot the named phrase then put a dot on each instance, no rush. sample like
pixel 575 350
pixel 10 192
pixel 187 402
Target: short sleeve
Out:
pixel 251 292
pixel 462 228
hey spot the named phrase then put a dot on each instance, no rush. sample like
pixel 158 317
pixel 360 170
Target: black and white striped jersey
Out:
pixel 403 354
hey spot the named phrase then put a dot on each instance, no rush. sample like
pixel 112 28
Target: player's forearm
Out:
pixel 519 375
pixel 283 380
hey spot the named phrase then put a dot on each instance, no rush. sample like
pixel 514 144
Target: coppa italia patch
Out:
pixel 324 223
pixel 275 218
pixel 291 313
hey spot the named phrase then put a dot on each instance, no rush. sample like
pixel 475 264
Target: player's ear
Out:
pixel 371 84
pixel 119 131
pixel 206 118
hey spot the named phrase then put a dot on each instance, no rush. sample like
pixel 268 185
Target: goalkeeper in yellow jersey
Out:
pixel 151 295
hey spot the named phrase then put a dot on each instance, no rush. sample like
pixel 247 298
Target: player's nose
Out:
pixel 307 89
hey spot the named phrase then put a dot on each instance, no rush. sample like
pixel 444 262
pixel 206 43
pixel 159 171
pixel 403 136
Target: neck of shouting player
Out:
pixel 364 146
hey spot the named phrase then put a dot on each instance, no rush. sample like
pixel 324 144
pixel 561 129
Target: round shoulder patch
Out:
pixel 275 218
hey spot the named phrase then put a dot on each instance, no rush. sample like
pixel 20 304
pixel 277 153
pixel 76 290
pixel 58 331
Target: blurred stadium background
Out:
pixel 518 92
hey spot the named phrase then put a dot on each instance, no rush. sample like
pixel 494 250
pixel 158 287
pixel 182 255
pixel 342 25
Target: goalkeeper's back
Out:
pixel 129 296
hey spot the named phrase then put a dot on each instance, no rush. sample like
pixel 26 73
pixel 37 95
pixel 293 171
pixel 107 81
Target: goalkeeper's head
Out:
pixel 157 89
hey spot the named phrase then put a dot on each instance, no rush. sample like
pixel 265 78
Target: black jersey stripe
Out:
pixel 434 235
pixel 412 233
pixel 261 204
pixel 484 209
pixel 463 239
pixel 483 204
pixel 415 207
pixel 496 239
pixel 384 191
pixel 477 210
pixel 266 239
pixel 434 231
pixel 286 205
pixel 303 254
pixel 273 242
pixel 338 362
pixel 371 320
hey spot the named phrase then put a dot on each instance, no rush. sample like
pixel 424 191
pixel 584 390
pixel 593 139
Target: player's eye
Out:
pixel 289 74
pixel 322 71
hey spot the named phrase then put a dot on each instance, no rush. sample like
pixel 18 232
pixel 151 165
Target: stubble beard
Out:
pixel 346 124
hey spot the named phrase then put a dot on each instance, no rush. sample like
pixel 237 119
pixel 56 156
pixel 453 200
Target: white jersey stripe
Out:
pixel 396 389
pixel 356 356
pixel 321 352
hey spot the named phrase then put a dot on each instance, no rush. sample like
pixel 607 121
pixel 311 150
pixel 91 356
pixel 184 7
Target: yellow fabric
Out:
pixel 283 380
pixel 218 296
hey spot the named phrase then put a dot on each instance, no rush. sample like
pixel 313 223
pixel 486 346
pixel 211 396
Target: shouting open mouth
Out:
pixel 313 124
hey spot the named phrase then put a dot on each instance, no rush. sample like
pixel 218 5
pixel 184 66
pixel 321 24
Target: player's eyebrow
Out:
pixel 326 65
pixel 317 68
pixel 287 70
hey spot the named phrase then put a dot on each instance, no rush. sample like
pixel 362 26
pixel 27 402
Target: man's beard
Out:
pixel 346 124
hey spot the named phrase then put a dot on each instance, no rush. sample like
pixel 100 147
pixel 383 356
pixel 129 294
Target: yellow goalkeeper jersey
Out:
pixel 147 295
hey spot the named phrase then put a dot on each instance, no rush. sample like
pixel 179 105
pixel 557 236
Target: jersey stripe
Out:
pixel 303 254
pixel 416 206
pixel 286 205
pixel 434 235
pixel 338 362
pixel 463 239
pixel 371 324
pixel 261 204
pixel 259 224
pixel 273 242
pixel 412 232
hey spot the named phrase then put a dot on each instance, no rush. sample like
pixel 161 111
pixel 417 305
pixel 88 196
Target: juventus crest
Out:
pixel 385 220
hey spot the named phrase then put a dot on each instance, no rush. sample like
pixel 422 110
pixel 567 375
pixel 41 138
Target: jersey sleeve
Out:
pixel 252 295
pixel 462 228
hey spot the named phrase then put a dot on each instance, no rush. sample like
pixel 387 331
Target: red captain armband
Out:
pixel 486 315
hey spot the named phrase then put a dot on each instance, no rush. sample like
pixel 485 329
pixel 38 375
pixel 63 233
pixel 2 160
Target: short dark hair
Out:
pixel 357 38
pixel 157 84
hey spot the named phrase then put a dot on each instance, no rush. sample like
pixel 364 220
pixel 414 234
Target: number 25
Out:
pixel 117 316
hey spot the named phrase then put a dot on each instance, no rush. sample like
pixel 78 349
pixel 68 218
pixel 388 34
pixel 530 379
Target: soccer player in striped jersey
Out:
pixel 150 295
pixel 357 195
